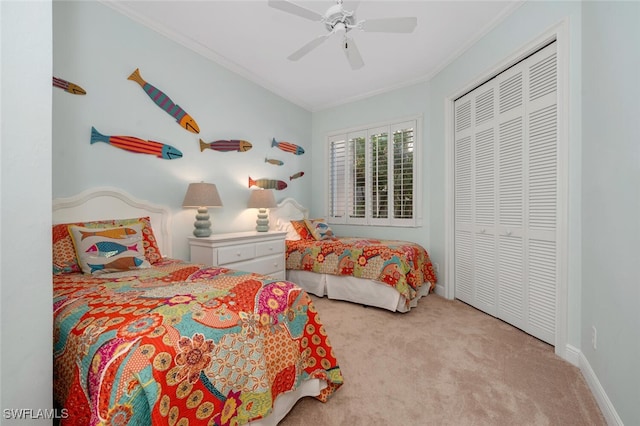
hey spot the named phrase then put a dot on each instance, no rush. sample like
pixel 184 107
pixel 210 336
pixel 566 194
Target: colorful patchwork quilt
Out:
pixel 180 344
pixel 400 264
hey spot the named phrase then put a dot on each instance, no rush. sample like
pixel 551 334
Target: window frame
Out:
pixel 336 203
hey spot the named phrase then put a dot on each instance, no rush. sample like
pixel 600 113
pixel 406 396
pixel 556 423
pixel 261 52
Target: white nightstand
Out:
pixel 261 252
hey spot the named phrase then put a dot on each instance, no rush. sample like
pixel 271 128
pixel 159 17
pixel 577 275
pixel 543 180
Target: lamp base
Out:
pixel 262 221
pixel 202 224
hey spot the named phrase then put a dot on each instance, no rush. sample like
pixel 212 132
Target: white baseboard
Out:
pixel 607 408
pixel 572 355
pixel 440 290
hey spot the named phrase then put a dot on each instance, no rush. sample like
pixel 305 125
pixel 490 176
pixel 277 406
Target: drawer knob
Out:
pixel 238 254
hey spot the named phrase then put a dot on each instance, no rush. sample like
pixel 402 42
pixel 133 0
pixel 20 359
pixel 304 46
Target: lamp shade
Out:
pixel 202 195
pixel 262 199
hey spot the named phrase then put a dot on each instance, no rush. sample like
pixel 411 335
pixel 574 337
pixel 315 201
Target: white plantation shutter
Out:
pixel 506 172
pixel 372 175
pixel 356 177
pixel 403 172
pixel 337 178
pixel 381 175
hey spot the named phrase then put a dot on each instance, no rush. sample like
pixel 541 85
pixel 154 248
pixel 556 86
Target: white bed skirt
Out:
pixel 356 290
pixel 285 402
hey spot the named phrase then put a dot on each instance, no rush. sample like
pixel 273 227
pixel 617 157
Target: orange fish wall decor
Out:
pixel 68 86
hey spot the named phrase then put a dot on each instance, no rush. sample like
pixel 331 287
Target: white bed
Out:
pixel 357 290
pixel 112 203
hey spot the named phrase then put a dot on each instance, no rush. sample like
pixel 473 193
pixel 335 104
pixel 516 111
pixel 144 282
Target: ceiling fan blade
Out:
pixel 353 54
pixel 390 25
pixel 287 6
pixel 308 47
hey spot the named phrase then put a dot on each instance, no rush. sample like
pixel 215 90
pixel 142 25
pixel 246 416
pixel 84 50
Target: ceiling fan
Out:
pixel 339 20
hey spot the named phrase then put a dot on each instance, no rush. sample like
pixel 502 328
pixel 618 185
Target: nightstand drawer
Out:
pixel 262 265
pixel 236 253
pixel 269 247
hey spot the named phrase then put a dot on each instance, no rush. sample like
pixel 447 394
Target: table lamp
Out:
pixel 262 199
pixel 202 196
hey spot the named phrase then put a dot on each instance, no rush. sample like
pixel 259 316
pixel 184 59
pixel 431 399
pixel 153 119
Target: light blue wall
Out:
pixel 604 205
pixel 603 175
pixel 611 200
pixel 398 104
pixel 526 24
pixel 98 48
pixel 26 322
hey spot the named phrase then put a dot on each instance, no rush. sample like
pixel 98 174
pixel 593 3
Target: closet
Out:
pixel 506 195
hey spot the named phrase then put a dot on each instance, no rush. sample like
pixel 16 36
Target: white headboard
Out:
pixel 287 210
pixel 112 203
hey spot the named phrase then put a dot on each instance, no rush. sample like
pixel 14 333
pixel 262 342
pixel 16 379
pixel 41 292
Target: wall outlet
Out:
pixel 594 337
pixel 436 267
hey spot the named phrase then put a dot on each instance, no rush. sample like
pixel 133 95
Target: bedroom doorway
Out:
pixel 506 234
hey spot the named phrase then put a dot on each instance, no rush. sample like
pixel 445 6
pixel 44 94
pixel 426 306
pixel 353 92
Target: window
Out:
pixel 373 175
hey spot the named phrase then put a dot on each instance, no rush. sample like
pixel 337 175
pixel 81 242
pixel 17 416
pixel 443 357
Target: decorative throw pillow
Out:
pixel 64 254
pixel 302 230
pixel 101 250
pixel 292 234
pixel 319 229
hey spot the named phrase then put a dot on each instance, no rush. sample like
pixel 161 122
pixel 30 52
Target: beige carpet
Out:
pixel 443 363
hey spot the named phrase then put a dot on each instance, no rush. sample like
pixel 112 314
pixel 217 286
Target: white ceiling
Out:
pixel 254 40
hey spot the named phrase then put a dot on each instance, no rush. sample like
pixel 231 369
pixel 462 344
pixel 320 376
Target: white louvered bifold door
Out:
pixel 506 195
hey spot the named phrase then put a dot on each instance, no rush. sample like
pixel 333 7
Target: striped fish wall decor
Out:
pixel 226 145
pixel 164 102
pixel 133 144
pixel 288 147
pixel 268 183
pixel 68 86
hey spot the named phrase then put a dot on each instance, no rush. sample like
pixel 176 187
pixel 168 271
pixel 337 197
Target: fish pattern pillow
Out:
pixel 301 228
pixel 319 229
pixel 64 254
pixel 101 250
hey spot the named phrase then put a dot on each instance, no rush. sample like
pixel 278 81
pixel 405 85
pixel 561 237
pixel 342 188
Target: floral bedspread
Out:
pixel 180 344
pixel 403 265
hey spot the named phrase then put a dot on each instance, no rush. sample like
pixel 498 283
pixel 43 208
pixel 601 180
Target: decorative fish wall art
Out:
pixel 288 147
pixel 268 183
pixel 296 176
pixel 164 102
pixel 133 144
pixel 273 161
pixel 68 86
pixel 226 145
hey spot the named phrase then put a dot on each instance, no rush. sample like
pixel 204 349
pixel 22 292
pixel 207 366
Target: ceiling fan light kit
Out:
pixel 338 20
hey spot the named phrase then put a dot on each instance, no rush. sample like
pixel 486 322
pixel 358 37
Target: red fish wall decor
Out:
pixel 296 176
pixel 133 144
pixel 288 147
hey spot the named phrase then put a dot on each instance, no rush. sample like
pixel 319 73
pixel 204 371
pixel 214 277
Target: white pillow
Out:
pixel 292 234
pixel 101 250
